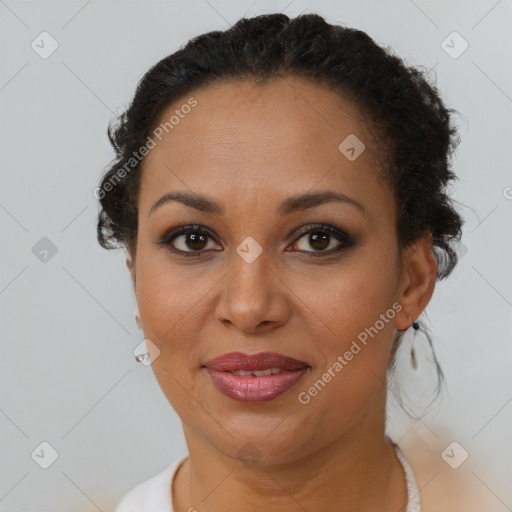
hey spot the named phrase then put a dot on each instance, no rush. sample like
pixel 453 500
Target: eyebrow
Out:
pixel 298 202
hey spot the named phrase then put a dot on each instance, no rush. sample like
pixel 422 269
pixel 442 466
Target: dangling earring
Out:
pixel 415 326
pixel 137 320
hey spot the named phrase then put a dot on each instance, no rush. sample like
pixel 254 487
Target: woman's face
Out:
pixel 254 284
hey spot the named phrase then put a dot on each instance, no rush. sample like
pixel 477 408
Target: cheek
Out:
pixel 355 361
pixel 169 306
pixel 355 338
pixel 166 292
pixel 354 298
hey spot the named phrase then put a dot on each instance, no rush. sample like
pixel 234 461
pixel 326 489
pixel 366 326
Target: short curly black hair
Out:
pixel 416 137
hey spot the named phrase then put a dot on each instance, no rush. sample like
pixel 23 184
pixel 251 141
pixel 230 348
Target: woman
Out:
pixel 280 190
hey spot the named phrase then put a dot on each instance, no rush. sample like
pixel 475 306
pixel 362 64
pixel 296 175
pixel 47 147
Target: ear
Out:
pixel 130 264
pixel 418 280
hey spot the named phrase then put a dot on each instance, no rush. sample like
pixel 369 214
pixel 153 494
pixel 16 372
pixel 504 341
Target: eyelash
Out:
pixel 347 241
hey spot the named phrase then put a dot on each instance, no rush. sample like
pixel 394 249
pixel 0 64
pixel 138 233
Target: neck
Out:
pixel 357 471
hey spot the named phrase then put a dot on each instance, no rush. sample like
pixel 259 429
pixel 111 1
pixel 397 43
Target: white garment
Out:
pixel 413 494
pixel 153 495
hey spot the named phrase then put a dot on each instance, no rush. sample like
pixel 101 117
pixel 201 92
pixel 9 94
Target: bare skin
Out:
pixel 249 148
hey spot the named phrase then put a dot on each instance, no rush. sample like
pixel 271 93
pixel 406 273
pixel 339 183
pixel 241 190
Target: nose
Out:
pixel 252 297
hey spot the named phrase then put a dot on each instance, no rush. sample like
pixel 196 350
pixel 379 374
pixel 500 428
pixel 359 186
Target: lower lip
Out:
pixel 255 389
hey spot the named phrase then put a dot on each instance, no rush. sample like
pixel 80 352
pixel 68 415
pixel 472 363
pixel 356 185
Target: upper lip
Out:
pixel 240 361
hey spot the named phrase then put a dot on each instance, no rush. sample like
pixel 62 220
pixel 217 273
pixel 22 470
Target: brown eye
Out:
pixel 194 241
pixel 322 239
pixel 189 240
pixel 319 241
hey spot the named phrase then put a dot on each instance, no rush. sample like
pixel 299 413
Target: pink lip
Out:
pixel 252 388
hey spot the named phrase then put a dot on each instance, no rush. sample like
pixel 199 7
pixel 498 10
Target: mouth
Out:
pixel 255 378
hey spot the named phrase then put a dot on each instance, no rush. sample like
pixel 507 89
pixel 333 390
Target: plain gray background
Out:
pixel 68 374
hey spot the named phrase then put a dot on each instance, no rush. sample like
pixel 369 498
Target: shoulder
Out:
pixel 446 472
pixel 153 494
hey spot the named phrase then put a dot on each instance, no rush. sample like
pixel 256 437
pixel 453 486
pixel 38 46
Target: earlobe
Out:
pixel 130 266
pixel 418 283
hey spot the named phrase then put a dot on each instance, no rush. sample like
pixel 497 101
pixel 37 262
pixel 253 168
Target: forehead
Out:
pixel 243 116
pixel 269 140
